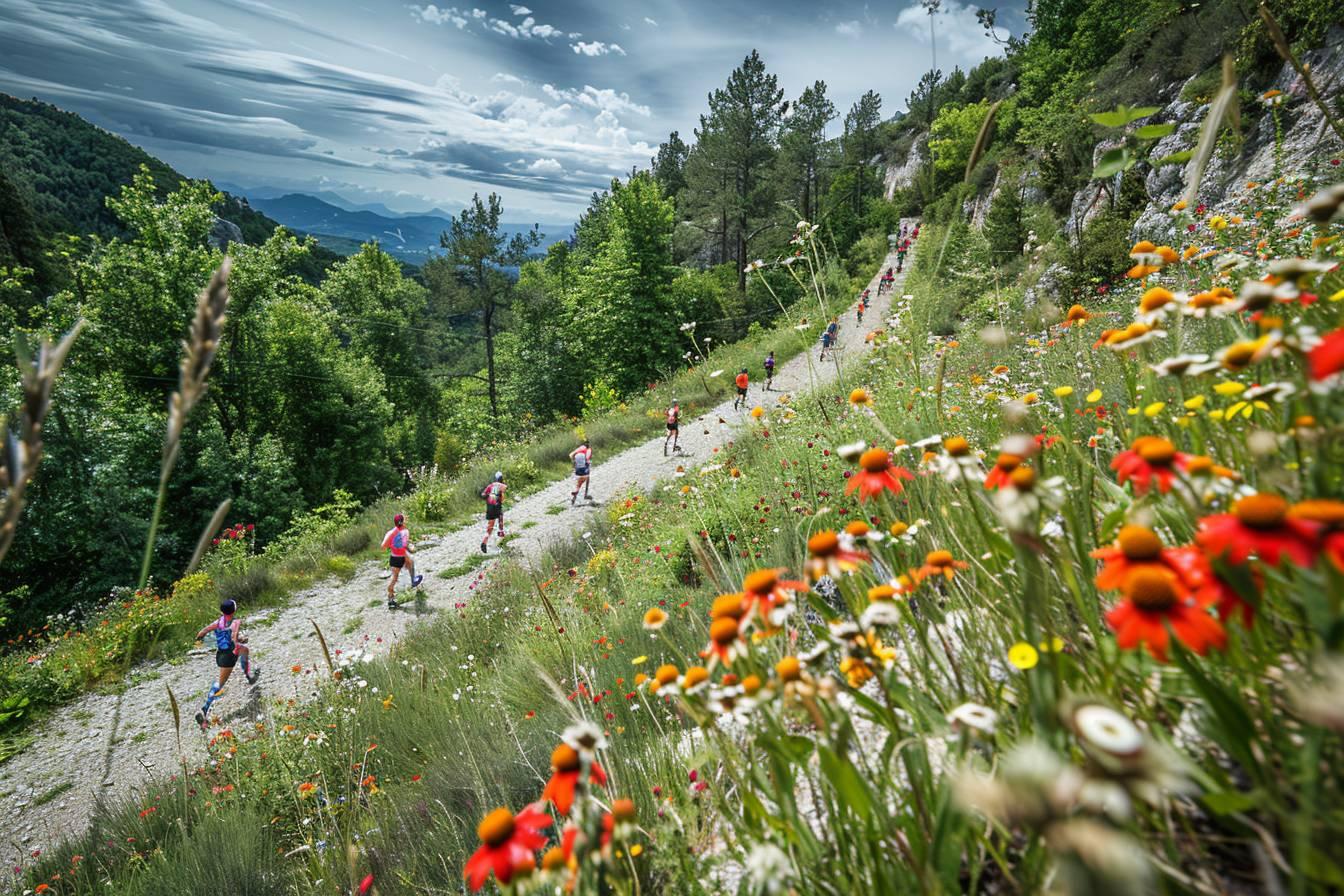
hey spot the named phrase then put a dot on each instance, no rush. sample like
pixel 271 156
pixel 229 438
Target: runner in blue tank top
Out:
pixel 230 647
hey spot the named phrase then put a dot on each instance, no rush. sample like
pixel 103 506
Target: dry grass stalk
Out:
pixel 1224 105
pixel 982 139
pixel 216 521
pixel 23 451
pixel 1280 41
pixel 198 353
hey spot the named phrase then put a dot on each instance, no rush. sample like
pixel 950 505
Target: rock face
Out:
pixel 222 233
pixel 903 175
pixel 1307 141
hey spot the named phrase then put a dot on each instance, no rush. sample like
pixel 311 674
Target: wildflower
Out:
pixel 940 562
pixel 1103 729
pixel 1002 469
pixel 1153 599
pixel 877 474
pixel 694 680
pixel 789 669
pixel 566 766
pixel 1260 524
pixel 882 612
pixel 1076 316
pixel 1203 304
pixel 769 870
pixel 666 674
pixel 1240 355
pixel 1218 222
pixel 584 736
pixel 1327 358
pixel 1063 391
pixel 1133 335
pixel 1155 301
pixel 861 398
pixel 1023 656
pixel 1149 458
pixel 723 639
pixel 830 556
pixel 973 716
pixel 763 591
pixel 1139 546
pixel 1180 365
pixel 1328 514
pixel 654 619
pixel 753 266
pixel 507 841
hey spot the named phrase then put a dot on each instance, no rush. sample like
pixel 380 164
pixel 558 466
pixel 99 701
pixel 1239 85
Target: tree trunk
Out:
pixel 490 357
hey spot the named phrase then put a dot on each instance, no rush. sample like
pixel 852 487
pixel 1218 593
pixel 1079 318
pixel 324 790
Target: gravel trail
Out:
pixel 105 746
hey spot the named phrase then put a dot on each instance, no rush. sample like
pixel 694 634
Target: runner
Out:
pixel 769 370
pixel 826 339
pixel 673 425
pixel 494 508
pixel 230 646
pixel 583 461
pixel 742 381
pixel 398 542
pixel 863 303
pixel 900 255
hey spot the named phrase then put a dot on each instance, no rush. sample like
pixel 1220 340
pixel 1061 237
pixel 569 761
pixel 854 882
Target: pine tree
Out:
pixel 803 147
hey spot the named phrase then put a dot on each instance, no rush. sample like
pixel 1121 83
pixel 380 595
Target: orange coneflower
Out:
pixel 763 591
pixel 723 640
pixel 832 556
pixel 565 767
pixel 1138 546
pixel 1077 316
pixel 941 563
pixel 1154 598
pixel 508 841
pixel 1149 458
pixel 1329 514
pixel 1260 524
pixel 1003 468
pixel 877 474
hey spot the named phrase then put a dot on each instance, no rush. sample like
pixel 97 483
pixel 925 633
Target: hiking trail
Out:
pixel 103 746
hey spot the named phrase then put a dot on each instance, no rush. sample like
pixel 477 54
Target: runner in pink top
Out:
pixel 398 542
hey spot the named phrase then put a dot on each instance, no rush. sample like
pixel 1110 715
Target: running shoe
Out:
pixel 415 582
pixel 482 547
pixel 256 673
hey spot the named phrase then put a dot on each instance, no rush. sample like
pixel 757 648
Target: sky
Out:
pixel 418 105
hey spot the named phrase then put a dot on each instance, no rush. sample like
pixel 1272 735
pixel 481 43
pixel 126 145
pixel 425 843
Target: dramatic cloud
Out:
pixel 416 104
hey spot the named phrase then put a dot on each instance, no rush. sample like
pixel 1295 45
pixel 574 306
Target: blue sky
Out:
pixel 418 105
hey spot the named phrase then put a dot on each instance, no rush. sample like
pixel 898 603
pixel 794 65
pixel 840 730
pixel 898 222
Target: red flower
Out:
pixel 565 768
pixel 1137 547
pixel 1260 524
pixel 1329 515
pixel 1002 469
pixel 365 885
pixel 1327 358
pixel 508 842
pixel 1149 458
pixel 876 474
pixel 1153 599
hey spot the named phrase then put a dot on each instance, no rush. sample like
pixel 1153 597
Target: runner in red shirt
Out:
pixel 397 541
pixel 742 381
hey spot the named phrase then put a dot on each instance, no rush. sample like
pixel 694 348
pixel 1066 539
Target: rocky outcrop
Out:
pixel 903 175
pixel 223 233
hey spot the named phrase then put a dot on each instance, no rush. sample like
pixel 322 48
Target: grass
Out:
pixel 471 562
pixel 858 768
pixel 52 793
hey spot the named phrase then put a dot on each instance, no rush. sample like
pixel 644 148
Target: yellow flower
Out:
pixel 1179 206
pixel 1023 655
pixel 1218 222
pixel 636 850
pixel 639 661
pixel 1229 388
pixel 1195 403
pixel 654 619
pixel 757 412
pixel 1154 409
pixel 1094 396
pixel 860 397
pixel 1030 398
pixel 1054 645
pixel 1063 391
pixel 387 702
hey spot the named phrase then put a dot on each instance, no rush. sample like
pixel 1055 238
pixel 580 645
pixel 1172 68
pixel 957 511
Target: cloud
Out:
pixel 956 28
pixel 650 22
pixel 520 10
pixel 432 15
pixel 596 48
pixel 597 98
pixel 852 28
pixel 546 166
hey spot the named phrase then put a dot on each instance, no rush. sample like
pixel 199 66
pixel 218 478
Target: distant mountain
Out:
pixel 58 172
pixel 413 238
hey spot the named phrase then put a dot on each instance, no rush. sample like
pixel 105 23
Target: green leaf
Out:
pixel 1229 802
pixel 1230 715
pixel 1176 158
pixel 846 781
pixel 1154 131
pixel 1113 161
pixel 1122 115
pixel 1320 867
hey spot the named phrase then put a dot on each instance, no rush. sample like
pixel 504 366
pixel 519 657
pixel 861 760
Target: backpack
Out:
pixel 491 493
pixel 672 414
pixel 581 460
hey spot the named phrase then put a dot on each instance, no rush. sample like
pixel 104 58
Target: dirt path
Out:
pixel 104 746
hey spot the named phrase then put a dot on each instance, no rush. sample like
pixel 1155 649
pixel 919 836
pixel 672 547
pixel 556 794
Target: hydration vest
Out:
pixel 224 634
